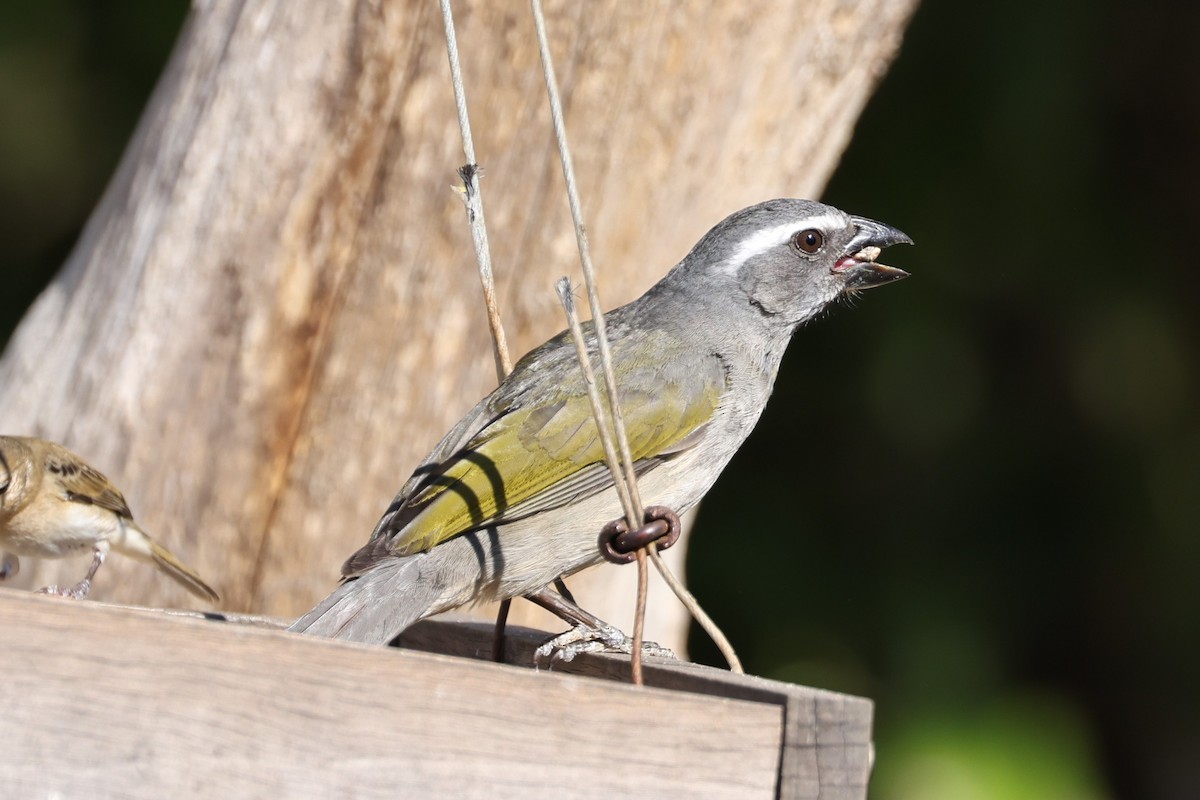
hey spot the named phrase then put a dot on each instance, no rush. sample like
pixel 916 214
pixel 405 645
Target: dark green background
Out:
pixel 974 498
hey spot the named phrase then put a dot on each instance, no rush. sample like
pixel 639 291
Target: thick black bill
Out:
pixel 868 274
pixel 874 234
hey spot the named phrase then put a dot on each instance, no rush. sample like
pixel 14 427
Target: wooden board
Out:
pixel 106 701
pixel 826 750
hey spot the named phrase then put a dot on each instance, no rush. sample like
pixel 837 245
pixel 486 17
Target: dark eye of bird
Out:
pixel 809 241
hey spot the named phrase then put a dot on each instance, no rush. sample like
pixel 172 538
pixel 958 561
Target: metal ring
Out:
pixel 608 536
pixel 620 545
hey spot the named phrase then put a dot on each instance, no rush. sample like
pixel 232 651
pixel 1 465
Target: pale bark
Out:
pixel 274 311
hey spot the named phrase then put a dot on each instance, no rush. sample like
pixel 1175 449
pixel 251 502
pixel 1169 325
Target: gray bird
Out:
pixel 515 496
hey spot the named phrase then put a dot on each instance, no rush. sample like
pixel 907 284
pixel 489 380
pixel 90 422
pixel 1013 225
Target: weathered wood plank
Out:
pixel 102 701
pixel 826 748
pixel 826 751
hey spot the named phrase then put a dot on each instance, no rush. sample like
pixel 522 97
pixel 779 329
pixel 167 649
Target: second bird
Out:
pixel 53 504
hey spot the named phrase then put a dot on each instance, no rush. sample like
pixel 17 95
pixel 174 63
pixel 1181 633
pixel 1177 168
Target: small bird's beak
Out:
pixel 859 266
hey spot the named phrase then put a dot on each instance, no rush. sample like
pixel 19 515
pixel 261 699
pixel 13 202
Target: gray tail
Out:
pixel 374 607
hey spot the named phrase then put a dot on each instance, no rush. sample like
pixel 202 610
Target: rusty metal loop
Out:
pixel 620 545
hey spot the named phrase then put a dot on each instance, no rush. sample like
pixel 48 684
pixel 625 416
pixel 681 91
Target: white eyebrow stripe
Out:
pixel 767 238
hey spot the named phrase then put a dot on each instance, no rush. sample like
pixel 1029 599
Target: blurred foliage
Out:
pixel 74 77
pixel 974 497
pixel 1013 748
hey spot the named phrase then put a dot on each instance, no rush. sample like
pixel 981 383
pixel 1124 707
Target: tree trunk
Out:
pixel 274 312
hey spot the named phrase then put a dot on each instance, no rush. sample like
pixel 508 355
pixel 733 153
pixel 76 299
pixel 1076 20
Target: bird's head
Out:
pixel 789 259
pixel 14 474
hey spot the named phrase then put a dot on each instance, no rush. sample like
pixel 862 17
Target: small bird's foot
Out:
pixel 602 638
pixel 10 565
pixel 76 592
pixel 81 589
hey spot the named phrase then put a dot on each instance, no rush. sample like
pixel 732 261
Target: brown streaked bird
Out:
pixel 53 505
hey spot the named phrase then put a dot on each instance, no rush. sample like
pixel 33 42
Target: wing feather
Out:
pixel 83 484
pixel 532 445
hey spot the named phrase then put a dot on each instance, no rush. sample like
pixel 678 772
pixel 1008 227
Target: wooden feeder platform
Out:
pixel 109 701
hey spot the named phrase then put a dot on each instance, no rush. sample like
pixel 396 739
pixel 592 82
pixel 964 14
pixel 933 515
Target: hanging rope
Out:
pixel 619 458
pixel 473 198
pixel 631 499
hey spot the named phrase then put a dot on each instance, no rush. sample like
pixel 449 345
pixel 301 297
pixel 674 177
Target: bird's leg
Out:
pixel 81 589
pixel 502 620
pixel 10 565
pixel 590 634
pixel 498 631
pixel 561 586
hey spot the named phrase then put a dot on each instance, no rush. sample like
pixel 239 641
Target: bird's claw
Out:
pixel 587 639
pixel 76 592
pixel 10 565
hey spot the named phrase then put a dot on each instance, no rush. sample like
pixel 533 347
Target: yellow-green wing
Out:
pixel 543 455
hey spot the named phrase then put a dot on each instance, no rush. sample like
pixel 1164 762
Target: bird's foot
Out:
pixel 602 638
pixel 76 592
pixel 10 565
